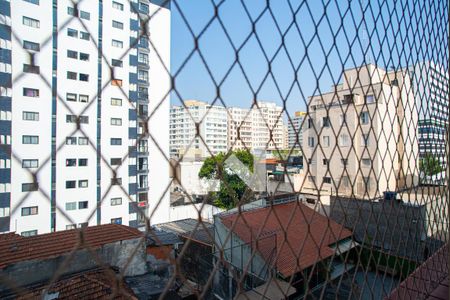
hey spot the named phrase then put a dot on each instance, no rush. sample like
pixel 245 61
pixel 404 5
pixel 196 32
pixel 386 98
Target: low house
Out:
pixel 285 241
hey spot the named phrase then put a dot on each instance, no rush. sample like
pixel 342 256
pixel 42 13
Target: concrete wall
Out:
pixel 115 254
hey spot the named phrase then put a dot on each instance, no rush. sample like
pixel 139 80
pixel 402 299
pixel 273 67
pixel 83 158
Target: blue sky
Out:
pixel 310 51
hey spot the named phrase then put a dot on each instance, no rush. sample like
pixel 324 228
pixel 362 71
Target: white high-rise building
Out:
pixel 430 84
pixel 66 116
pixel 212 127
pixel 295 132
pixel 252 127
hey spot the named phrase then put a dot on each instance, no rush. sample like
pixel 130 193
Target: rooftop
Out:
pixel 15 248
pixel 299 236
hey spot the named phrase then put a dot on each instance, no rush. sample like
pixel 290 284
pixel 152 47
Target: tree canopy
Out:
pixel 232 188
pixel 430 165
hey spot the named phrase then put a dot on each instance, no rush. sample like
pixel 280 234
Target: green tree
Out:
pixel 232 188
pixel 430 165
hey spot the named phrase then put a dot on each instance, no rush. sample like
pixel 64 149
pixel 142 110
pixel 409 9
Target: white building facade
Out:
pixel 295 133
pixel 78 115
pixel 212 129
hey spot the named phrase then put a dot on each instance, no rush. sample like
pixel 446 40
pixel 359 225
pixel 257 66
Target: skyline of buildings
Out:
pixel 68 85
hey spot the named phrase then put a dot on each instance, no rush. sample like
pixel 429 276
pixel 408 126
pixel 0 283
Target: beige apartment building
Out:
pixel 360 138
pixel 250 128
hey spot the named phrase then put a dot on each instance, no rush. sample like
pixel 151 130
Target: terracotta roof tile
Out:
pixel 307 233
pixel 57 243
pixel 95 284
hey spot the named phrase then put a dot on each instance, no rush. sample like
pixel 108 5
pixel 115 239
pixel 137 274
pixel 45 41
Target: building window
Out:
pixel 310 123
pixel 82 205
pixel 84 77
pixel 71 11
pixel 33 1
pixel 116 121
pixel 326 122
pixel 85 15
pixel 325 162
pixel 30 22
pixel 72 54
pixel 84 98
pixel 117 24
pixel 327 180
pixel 370 99
pixel 143 7
pixel 30 163
pixel 4 212
pixel 29 211
pixel 116 201
pixel 365 139
pixel 31 46
pixel 82 183
pixel 29 92
pixel 71 140
pixel 116 141
pixel 143 75
pixel 84 56
pixel 366 162
pixel 344 140
pixel 31 69
pixel 71 226
pixel 116 43
pixel 116 161
pixel 71 97
pixel 116 82
pixel 71 119
pixel 117 5
pixel 84 119
pixel 326 141
pixel 116 221
pixel 30 116
pixel 85 35
pixel 344 161
pixel 29 233
pixel 116 181
pixel 71 184
pixel 310 141
pixel 116 102
pixel 343 119
pixel 71 206
pixel 71 75
pixel 82 141
pixel 72 32
pixel 143 58
pixel 71 162
pixel 116 63
pixel 82 162
pixel 364 117
pixel 30 187
pixel 30 139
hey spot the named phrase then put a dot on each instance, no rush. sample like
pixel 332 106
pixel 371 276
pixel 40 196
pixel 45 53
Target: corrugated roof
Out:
pixel 94 284
pixel 181 227
pixel 60 242
pixel 292 236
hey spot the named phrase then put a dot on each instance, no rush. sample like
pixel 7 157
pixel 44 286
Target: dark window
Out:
pixel 327 180
pixel 72 54
pixel 29 232
pixel 84 77
pixel 116 141
pixel 116 221
pixel 82 162
pixel 85 15
pixel 28 211
pixel 84 56
pixel 116 161
pixel 116 181
pixel 31 69
pixel 85 35
pixel 71 184
pixel 116 63
pixel 117 24
pixel 71 162
pixel 82 205
pixel 30 139
pixel 72 32
pixel 28 92
pixel 71 75
pixel 37 3
pixel 29 187
pixel 31 46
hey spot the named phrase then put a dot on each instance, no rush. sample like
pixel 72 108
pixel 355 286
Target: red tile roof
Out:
pixel 428 281
pixel 48 245
pixel 298 235
pixel 95 284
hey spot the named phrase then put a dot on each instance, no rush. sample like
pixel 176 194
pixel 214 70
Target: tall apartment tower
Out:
pixel 251 127
pixel 77 85
pixel 430 84
pixel 212 126
pixel 295 132
pixel 360 136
